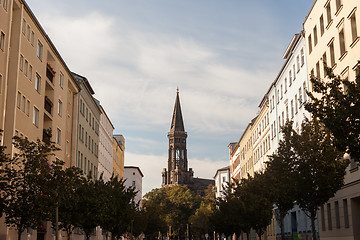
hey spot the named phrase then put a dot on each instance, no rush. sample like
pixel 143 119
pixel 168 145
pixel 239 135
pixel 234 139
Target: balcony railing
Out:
pixel 50 73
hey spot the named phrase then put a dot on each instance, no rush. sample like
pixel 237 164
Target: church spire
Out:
pixel 177 123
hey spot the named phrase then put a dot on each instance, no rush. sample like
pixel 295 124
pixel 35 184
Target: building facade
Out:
pixel 87 140
pixel 105 166
pixel 222 179
pixel 133 178
pixel 118 155
pixel 332 39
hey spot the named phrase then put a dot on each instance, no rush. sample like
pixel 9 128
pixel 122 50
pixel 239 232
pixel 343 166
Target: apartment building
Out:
pixel 222 179
pixel 38 102
pixel 105 166
pixel 261 137
pixel 118 155
pixel 87 129
pixel 332 39
pixel 133 178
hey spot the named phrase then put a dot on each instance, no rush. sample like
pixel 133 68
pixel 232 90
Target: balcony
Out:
pixel 46 135
pixel 50 73
pixel 48 105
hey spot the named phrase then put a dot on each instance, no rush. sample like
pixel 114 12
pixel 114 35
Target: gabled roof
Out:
pixel 177 123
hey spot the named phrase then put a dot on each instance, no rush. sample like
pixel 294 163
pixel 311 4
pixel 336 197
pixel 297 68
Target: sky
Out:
pixel 222 55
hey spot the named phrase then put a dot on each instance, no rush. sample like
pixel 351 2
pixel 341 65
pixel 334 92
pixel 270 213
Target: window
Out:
pixel 86 139
pixel 337 214
pixel 328 13
pixel 86 114
pixel 282 119
pixel 305 94
pixel 26 66
pixel 332 54
pixel 292 108
pixel 296 104
pixel 324 63
pixel 58 136
pixel 342 42
pixel 328 210
pixel 315 36
pixel 32 38
pixel 24 27
pixel 302 57
pixel 310 43
pixel 5 4
pixel 353 27
pixel 274 129
pixel 18 100
pixel 317 69
pixel 39 50
pixel 61 80
pixel 80 131
pixel 37 83
pixel 290 76
pixel 2 41
pixel 23 102
pixel 285 81
pixel 338 5
pixel 281 87
pixel 298 62
pixel 300 96
pixel 287 112
pixel 36 117
pixel 322 28
pixel 346 213
pixel 0 83
pixel 28 32
pixel 21 64
pixel 30 72
pixel 294 71
pixel 133 183
pixel 60 108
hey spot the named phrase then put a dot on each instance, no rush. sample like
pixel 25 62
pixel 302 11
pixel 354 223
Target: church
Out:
pixel 178 171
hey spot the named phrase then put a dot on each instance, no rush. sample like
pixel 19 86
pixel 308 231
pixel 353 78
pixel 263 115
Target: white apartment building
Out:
pixel 222 179
pixel 133 178
pixel 287 96
pixel 105 166
pixel 332 30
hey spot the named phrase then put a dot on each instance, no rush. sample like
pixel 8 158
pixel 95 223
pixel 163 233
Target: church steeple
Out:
pixel 177 171
pixel 177 123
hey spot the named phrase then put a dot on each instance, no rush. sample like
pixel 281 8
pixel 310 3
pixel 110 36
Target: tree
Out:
pixel 171 207
pixel 320 167
pixel 336 103
pixel 200 221
pixel 26 178
pixel 65 183
pixel 281 177
pixel 253 192
pixel 119 207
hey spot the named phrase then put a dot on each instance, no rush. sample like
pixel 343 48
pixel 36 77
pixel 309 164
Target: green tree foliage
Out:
pixel 336 103
pixel 319 165
pixel 200 221
pixel 26 176
pixel 118 207
pixel 169 207
pixel 281 176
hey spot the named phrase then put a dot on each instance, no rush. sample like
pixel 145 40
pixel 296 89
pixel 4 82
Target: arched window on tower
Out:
pixel 177 158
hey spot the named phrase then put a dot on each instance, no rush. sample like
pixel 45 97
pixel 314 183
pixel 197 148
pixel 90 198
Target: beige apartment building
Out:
pixel 87 129
pixel 261 136
pixel 119 155
pixel 38 102
pixel 38 94
pixel 332 38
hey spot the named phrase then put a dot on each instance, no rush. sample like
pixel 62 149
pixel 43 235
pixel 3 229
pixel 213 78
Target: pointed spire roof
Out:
pixel 177 123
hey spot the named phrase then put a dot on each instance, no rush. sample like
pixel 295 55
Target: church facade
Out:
pixel 178 171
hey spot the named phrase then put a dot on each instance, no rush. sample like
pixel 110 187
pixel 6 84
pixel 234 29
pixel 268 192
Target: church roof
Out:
pixel 177 123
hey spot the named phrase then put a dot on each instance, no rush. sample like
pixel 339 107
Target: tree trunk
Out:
pixel 19 232
pixel 312 216
pixel 247 236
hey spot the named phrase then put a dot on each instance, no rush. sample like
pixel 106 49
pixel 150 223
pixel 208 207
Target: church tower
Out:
pixel 178 172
